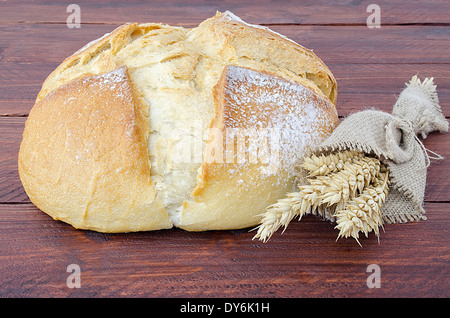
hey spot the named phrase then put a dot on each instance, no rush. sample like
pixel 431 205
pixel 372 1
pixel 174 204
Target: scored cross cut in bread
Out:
pixel 250 105
pixel 153 107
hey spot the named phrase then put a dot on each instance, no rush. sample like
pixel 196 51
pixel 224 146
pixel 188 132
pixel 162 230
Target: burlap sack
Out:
pixel 393 138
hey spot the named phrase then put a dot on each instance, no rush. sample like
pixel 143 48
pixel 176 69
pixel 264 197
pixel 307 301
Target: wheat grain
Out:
pixel 363 213
pixel 325 164
pixel 345 184
pixel 282 212
pixel 275 216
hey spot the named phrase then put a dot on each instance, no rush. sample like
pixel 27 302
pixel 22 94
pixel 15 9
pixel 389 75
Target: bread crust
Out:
pixel 89 151
pixel 83 158
pixel 259 43
pixel 112 40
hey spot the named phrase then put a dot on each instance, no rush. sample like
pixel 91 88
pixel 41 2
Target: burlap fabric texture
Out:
pixel 393 138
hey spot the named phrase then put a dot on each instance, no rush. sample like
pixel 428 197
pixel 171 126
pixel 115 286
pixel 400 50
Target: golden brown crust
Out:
pixel 235 188
pixel 111 41
pixel 278 53
pixel 83 158
pixel 252 45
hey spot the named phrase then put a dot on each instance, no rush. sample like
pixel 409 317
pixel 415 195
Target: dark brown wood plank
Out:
pixel 52 43
pixel 378 85
pixel 438 173
pixel 260 12
pixel 359 44
pixel 305 261
pixel 20 83
pixel 11 190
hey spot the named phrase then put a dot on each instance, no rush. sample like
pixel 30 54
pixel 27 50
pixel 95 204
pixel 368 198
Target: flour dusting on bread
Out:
pixel 286 107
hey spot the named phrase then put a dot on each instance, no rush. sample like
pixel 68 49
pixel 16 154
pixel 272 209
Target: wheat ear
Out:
pixel 330 190
pixel 363 213
pixel 326 164
pixel 344 185
pixel 355 173
pixel 276 215
pixel 282 212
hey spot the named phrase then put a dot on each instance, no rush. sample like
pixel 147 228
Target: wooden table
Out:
pixel 371 66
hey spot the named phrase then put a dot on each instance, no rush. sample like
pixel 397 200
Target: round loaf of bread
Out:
pixel 155 126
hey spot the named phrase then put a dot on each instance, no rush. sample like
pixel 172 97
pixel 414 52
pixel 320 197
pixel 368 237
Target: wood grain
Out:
pixel 335 45
pixel 254 11
pixel 303 262
pixel 371 67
